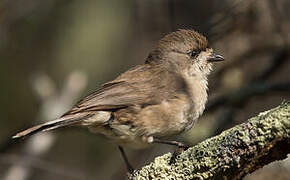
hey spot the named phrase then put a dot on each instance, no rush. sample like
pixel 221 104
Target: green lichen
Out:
pixel 218 156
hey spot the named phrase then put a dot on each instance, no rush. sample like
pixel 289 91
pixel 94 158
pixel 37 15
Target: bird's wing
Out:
pixel 110 96
pixel 137 86
pixel 141 85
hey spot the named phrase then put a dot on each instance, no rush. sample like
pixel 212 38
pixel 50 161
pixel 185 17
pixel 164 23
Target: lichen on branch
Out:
pixel 232 154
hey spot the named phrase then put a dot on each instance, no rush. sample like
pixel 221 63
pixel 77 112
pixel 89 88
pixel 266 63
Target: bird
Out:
pixel 150 102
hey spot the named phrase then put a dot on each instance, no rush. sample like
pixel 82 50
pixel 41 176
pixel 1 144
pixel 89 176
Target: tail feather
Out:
pixel 61 122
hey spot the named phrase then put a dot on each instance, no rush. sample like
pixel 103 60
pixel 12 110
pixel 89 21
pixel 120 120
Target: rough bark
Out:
pixel 232 154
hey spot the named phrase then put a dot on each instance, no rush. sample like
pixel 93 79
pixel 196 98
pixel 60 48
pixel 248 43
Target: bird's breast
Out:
pixel 197 89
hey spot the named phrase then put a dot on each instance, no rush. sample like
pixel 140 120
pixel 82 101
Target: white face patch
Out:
pixel 204 55
pixel 200 65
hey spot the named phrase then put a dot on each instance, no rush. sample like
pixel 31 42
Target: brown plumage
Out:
pixel 160 98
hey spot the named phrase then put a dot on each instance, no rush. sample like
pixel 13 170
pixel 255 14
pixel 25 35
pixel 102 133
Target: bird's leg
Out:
pixel 174 143
pixel 181 147
pixel 129 167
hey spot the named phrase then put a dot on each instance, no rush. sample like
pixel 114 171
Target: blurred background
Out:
pixel 54 52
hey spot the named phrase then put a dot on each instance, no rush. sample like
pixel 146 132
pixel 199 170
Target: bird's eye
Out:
pixel 193 54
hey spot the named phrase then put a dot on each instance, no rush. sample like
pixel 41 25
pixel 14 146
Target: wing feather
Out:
pixel 145 86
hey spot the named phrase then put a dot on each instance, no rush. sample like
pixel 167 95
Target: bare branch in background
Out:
pixel 53 104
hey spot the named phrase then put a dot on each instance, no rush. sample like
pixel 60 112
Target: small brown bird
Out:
pixel 150 102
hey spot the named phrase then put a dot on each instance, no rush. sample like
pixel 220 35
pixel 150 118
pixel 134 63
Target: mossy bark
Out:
pixel 232 154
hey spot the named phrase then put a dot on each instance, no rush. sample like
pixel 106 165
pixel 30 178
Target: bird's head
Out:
pixel 185 51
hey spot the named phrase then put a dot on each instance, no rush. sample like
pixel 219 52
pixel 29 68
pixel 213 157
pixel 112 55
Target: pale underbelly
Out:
pixel 137 136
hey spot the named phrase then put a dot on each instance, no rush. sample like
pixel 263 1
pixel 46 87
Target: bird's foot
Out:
pixel 180 149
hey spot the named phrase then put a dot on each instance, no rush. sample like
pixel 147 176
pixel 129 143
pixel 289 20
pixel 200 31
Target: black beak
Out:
pixel 215 58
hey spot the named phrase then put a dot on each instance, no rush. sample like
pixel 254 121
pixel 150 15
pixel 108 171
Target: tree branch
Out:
pixel 232 154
